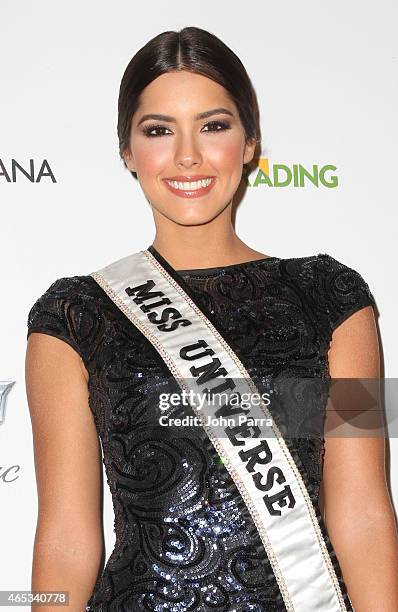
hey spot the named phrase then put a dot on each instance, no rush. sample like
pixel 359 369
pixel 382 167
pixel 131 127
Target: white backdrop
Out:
pixel 326 80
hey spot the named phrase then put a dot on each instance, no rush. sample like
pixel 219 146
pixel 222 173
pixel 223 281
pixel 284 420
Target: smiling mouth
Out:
pixel 190 189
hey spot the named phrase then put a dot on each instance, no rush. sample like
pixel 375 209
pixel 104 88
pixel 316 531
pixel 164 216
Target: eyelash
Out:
pixel 146 130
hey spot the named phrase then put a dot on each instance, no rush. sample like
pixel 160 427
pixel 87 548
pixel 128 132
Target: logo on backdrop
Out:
pixel 296 175
pixel 7 474
pixel 5 388
pixel 34 171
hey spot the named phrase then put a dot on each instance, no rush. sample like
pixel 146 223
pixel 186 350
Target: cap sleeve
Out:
pixel 57 312
pixel 344 290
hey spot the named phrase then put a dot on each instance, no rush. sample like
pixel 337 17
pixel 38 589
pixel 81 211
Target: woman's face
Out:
pixel 184 147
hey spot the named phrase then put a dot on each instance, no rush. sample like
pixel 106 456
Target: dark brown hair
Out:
pixel 194 50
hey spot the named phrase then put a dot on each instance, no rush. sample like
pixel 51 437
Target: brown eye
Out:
pixel 214 124
pixel 147 130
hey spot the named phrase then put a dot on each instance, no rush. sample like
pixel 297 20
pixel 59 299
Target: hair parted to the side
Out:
pixel 194 50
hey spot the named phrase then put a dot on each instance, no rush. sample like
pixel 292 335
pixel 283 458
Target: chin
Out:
pixel 194 219
pixel 184 214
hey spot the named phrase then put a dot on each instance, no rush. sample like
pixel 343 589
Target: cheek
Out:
pixel 226 157
pixel 150 160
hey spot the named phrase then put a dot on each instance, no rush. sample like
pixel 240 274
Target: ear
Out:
pixel 129 160
pixel 248 154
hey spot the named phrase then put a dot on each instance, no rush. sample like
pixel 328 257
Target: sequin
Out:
pixel 184 539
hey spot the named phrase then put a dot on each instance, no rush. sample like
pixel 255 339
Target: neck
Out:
pixel 204 245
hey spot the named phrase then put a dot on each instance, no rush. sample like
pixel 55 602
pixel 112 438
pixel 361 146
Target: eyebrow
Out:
pixel 204 115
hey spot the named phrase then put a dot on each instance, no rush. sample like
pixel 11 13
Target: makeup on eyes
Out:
pixel 147 129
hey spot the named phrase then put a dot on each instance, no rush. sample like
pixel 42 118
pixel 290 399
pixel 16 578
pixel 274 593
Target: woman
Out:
pixel 192 533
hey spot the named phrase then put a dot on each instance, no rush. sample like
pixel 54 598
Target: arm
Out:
pixel 68 539
pixel 358 510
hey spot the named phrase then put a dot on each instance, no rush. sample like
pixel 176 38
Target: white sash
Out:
pixel 282 512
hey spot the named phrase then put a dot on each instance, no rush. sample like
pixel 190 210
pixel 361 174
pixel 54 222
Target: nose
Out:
pixel 187 152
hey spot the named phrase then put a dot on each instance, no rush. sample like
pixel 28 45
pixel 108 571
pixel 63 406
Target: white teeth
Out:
pixel 190 186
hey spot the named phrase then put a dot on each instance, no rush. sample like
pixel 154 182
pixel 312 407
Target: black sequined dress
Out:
pixel 184 538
